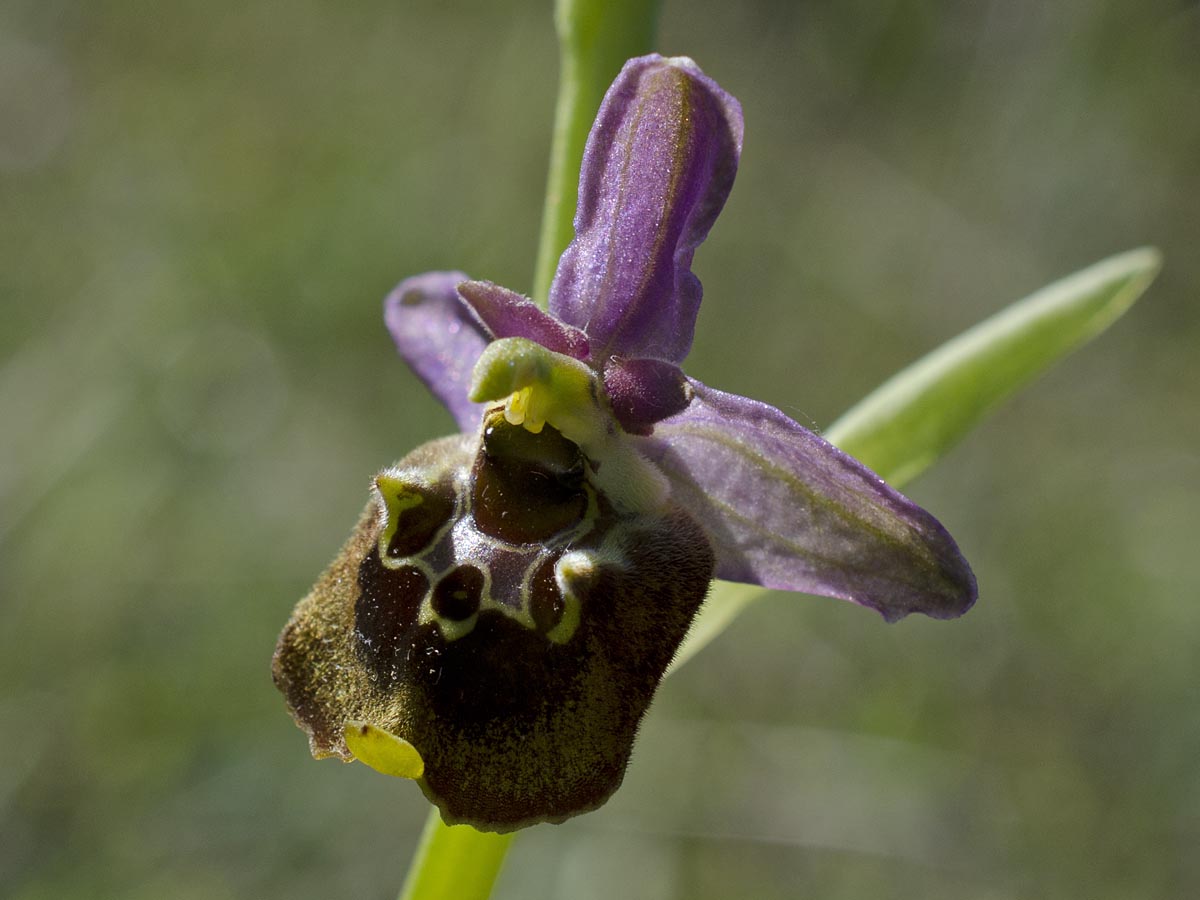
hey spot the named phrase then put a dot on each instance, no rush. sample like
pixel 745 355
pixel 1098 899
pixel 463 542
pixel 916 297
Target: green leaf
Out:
pixel 921 412
pixel 725 602
pixel 454 862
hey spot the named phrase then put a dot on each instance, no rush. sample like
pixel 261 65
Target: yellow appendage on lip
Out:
pixel 383 751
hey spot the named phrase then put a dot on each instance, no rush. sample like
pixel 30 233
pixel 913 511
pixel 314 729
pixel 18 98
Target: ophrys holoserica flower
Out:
pixel 503 613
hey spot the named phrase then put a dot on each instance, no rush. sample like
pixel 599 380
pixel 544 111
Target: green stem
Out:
pixel 454 862
pixel 596 37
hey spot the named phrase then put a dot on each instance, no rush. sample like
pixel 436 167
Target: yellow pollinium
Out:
pixel 523 408
pixel 540 386
pixel 383 751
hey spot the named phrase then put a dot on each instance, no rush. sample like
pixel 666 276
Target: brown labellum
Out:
pixel 518 647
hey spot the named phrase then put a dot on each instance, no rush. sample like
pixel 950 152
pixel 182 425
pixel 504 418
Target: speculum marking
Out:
pixel 384 613
pixel 415 513
pixel 458 594
pixel 546 604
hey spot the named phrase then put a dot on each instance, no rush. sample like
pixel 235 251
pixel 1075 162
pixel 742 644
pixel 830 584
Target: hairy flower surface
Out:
pixel 500 619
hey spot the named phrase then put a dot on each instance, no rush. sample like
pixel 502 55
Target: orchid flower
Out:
pixel 502 615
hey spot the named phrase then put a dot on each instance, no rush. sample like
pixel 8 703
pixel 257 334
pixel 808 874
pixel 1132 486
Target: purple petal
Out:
pixel 658 165
pixel 439 338
pixel 507 314
pixel 645 391
pixel 785 509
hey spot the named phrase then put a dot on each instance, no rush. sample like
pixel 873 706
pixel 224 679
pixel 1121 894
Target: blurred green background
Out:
pixel 201 207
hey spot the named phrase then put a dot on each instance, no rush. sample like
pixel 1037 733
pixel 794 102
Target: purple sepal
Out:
pixel 506 313
pixel 438 336
pixel 786 509
pixel 645 391
pixel 658 165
